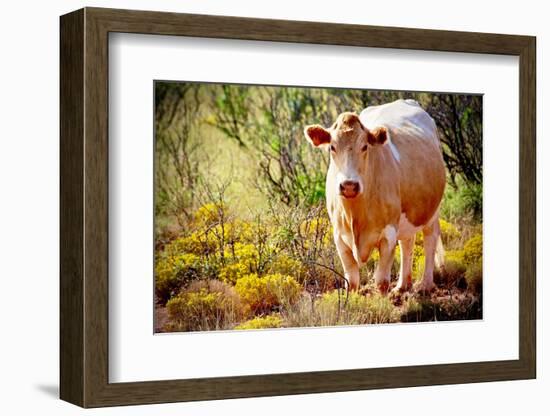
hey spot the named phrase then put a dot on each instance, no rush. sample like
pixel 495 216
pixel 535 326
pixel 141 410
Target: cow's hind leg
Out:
pixel 431 235
pixel 405 273
pixel 351 268
pixel 386 249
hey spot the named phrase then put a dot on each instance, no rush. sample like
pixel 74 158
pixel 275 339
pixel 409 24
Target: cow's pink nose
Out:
pixel 349 189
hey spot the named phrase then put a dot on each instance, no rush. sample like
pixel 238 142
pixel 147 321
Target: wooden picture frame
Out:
pixel 84 207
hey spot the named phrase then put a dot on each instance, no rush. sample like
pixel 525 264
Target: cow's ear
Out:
pixel 317 135
pixel 377 136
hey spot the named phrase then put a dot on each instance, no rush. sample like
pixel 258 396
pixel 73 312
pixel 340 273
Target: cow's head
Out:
pixel 348 142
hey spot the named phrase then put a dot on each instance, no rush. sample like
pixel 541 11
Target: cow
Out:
pixel 385 182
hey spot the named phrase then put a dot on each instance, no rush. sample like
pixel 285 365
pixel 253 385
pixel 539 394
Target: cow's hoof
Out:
pixel 383 287
pixel 399 290
pixel 402 286
pixel 352 288
pixel 424 288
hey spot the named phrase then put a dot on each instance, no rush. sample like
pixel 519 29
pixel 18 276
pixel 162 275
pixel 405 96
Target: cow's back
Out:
pixel 403 116
pixel 414 144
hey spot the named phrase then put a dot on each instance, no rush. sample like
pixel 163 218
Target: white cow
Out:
pixel 384 184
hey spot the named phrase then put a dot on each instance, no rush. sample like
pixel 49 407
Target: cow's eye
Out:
pixel 332 149
pixel 364 148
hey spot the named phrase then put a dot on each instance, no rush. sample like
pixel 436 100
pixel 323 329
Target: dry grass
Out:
pixel 229 275
pixel 204 306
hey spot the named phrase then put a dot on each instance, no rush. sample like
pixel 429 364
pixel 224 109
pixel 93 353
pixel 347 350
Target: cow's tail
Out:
pixel 439 254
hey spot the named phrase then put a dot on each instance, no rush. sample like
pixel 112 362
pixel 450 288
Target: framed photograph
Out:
pixel 255 207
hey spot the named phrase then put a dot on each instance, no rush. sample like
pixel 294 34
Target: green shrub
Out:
pixel 208 238
pixel 474 277
pixel 172 272
pixel 454 256
pixel 243 260
pixel 204 306
pixel 462 200
pixel 262 294
pixel 283 289
pixel 451 273
pixel 449 232
pixel 246 254
pixel 262 322
pixel 253 293
pixel 198 243
pixel 209 214
pixel 418 262
pixel 233 272
pixel 237 231
pixel 472 197
pixel 473 249
pixel 316 231
pixel 284 264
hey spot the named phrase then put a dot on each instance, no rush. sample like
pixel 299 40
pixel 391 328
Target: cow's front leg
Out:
pixel 386 249
pixel 431 235
pixel 351 268
pixel 405 272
